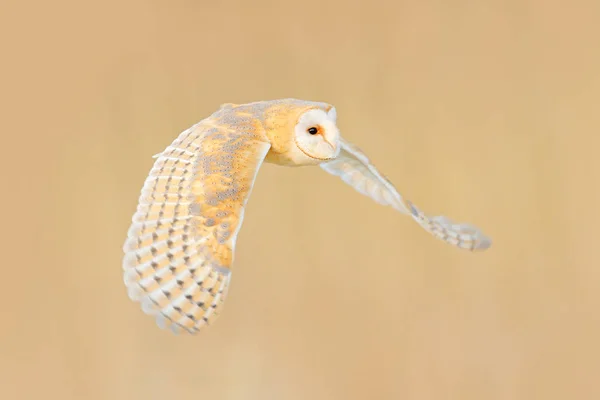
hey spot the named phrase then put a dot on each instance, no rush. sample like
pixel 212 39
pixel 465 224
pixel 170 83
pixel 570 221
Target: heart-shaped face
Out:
pixel 316 134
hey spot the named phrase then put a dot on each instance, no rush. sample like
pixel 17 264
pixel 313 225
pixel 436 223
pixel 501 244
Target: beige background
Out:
pixel 485 111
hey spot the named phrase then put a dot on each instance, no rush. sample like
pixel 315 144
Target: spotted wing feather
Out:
pixel 181 243
pixel 355 168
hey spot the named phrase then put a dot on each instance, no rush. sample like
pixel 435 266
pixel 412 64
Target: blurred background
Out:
pixel 485 111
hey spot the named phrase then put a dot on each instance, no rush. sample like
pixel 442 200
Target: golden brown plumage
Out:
pixel 181 243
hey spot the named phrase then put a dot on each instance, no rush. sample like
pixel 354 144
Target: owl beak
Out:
pixel 329 143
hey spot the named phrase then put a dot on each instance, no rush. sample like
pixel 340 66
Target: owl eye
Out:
pixel 312 130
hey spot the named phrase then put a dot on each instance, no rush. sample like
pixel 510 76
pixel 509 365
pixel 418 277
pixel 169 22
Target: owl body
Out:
pixel 181 243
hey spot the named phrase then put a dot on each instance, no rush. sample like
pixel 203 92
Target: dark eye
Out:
pixel 312 130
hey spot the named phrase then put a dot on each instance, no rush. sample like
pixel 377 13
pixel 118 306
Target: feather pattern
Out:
pixel 181 242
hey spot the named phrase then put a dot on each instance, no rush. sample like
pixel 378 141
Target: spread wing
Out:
pixel 181 243
pixel 354 167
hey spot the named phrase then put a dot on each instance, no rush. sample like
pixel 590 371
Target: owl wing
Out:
pixel 355 168
pixel 181 243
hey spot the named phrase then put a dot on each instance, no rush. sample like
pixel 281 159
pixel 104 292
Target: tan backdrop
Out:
pixel 484 111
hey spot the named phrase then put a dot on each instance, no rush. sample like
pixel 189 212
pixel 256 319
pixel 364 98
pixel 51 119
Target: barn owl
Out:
pixel 180 245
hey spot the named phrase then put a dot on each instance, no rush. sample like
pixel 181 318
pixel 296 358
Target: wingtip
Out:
pixel 483 243
pixel 464 236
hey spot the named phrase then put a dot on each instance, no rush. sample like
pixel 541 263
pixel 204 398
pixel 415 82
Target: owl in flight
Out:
pixel 181 242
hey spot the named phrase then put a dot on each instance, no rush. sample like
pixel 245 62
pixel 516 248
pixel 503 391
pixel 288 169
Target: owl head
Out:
pixel 302 133
pixel 316 134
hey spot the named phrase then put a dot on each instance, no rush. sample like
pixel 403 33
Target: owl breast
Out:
pixel 293 157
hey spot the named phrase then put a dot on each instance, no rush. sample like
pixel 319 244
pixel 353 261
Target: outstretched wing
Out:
pixel 181 243
pixel 354 167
